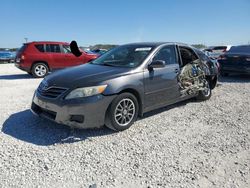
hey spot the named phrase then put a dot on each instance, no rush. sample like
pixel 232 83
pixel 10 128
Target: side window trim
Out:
pixel 179 55
pixel 160 48
pixel 49 47
pixel 189 48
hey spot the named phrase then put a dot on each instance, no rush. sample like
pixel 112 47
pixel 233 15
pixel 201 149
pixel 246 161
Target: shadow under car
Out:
pixel 16 77
pixel 29 128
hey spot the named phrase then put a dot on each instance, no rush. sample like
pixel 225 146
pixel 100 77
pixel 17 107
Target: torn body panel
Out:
pixel 192 78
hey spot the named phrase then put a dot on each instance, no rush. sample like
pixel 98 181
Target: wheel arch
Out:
pixel 35 62
pixel 138 97
pixel 136 94
pixel 212 81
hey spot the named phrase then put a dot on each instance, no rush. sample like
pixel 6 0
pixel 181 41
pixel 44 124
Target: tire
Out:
pixel 205 94
pixel 122 112
pixel 39 70
pixel 213 82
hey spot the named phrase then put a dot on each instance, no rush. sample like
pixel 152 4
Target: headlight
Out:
pixel 86 92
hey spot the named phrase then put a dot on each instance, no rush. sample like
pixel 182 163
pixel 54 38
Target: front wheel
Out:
pixel 39 70
pixel 206 93
pixel 122 112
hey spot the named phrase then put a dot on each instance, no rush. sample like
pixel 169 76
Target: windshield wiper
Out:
pixel 107 64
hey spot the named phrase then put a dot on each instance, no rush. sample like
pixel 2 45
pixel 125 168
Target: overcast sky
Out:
pixel 117 22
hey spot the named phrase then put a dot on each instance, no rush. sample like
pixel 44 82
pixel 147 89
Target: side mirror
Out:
pixel 74 49
pixel 156 64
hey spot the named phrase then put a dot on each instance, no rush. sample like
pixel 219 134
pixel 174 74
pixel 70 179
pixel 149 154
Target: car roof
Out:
pixel 46 42
pixel 155 44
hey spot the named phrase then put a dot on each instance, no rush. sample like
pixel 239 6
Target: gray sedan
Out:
pixel 122 84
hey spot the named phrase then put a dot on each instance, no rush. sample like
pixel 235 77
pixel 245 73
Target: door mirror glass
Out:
pixel 157 64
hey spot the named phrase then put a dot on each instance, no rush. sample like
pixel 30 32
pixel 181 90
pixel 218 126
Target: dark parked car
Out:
pixel 236 60
pixel 6 56
pixel 99 51
pixel 210 61
pixel 216 51
pixel 123 83
pixel 39 58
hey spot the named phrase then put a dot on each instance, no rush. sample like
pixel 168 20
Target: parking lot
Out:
pixel 202 144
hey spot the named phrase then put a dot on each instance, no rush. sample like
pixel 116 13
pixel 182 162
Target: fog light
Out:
pixel 77 118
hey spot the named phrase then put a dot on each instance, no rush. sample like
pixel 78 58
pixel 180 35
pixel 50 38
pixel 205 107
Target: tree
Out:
pixel 199 46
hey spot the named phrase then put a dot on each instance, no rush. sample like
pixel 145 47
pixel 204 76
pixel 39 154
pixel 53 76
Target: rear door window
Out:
pixel 53 48
pixel 40 47
pixel 187 55
pixel 167 54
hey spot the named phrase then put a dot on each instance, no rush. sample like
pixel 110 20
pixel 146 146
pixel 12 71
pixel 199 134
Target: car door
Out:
pixel 70 58
pixel 233 63
pixel 236 60
pixel 160 84
pixel 56 57
pixel 244 64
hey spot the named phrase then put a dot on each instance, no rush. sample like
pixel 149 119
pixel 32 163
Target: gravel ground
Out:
pixel 191 144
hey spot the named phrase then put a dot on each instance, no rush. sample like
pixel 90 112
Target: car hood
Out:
pixel 84 75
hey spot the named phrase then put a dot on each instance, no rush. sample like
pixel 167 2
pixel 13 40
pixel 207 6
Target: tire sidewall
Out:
pixel 204 97
pixel 34 73
pixel 111 113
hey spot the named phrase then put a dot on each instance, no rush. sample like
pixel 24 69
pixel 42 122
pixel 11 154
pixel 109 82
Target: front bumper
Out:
pixel 81 113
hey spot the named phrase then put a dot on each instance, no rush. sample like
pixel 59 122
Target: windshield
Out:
pixel 124 56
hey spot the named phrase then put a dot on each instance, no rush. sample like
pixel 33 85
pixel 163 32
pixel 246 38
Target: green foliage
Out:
pixel 102 46
pixel 9 49
pixel 199 46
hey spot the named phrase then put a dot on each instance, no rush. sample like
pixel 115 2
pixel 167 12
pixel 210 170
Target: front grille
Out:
pixel 50 92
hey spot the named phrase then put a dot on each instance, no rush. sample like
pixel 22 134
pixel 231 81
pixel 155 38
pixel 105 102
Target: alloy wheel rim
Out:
pixel 40 70
pixel 207 90
pixel 124 112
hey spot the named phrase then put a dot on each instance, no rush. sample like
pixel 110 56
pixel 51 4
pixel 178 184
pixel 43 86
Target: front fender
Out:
pixel 132 81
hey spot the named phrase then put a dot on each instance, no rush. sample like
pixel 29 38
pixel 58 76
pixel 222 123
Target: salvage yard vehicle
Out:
pixel 122 84
pixel 236 60
pixel 39 58
pixel 6 56
pixel 216 51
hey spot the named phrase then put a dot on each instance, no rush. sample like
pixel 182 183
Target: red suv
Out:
pixel 39 58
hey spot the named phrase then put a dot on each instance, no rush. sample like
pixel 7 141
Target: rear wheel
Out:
pixel 122 112
pixel 206 93
pixel 39 70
